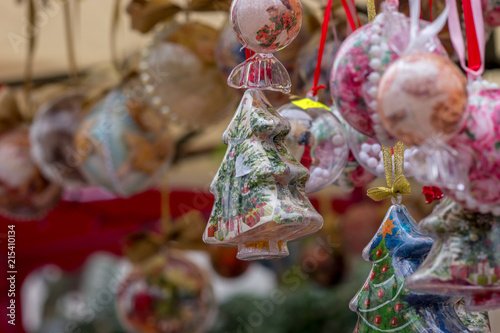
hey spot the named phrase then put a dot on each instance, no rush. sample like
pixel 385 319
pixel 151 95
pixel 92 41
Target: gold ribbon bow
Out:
pixel 398 185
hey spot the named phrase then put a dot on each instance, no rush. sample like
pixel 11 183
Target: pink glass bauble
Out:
pixel 361 61
pixel 422 96
pixel 166 294
pixel 477 148
pixel 24 193
pixel 265 26
pixel 317 140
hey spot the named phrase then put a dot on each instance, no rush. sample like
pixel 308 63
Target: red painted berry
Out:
pixel 372 276
pixel 381 293
pixel 378 253
pixel 378 320
pixel 385 268
pixel 367 302
pixel 398 307
pixel 367 286
pixel 394 321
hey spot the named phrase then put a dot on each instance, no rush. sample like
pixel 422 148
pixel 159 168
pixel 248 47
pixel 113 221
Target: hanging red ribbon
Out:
pixel 324 32
pixel 430 9
pixel 348 13
pixel 248 53
pixel 353 4
pixel 473 53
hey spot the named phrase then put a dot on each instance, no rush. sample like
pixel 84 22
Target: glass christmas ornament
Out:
pixel 25 194
pixel 264 26
pixel 180 78
pixel 354 174
pixel 368 153
pixel 491 10
pixel 384 303
pixel 122 146
pixel 362 60
pixel 52 134
pixel 421 97
pixel 166 294
pixel 464 260
pixel 317 140
pixel 477 151
pixel 260 200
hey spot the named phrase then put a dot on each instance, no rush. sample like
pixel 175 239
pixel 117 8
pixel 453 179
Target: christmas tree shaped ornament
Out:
pixel 260 200
pixel 385 304
pixel 363 58
pixel 264 26
pixel 317 140
pixel 464 260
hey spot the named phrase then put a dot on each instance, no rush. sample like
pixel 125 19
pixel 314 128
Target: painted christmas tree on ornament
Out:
pixel 385 304
pixel 260 200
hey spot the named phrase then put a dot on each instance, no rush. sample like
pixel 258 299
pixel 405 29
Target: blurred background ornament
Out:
pixel 225 263
pixel 24 193
pixel 179 75
pixel 52 136
pixel 317 140
pixel 166 294
pixel 118 150
pixel 265 27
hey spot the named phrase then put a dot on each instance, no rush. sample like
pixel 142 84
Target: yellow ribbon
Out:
pixel 372 11
pixel 397 184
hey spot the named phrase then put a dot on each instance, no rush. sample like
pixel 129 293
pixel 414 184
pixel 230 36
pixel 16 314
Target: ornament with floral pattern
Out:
pixel 266 204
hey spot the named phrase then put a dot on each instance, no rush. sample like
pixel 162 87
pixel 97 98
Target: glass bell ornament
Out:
pixel 264 26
